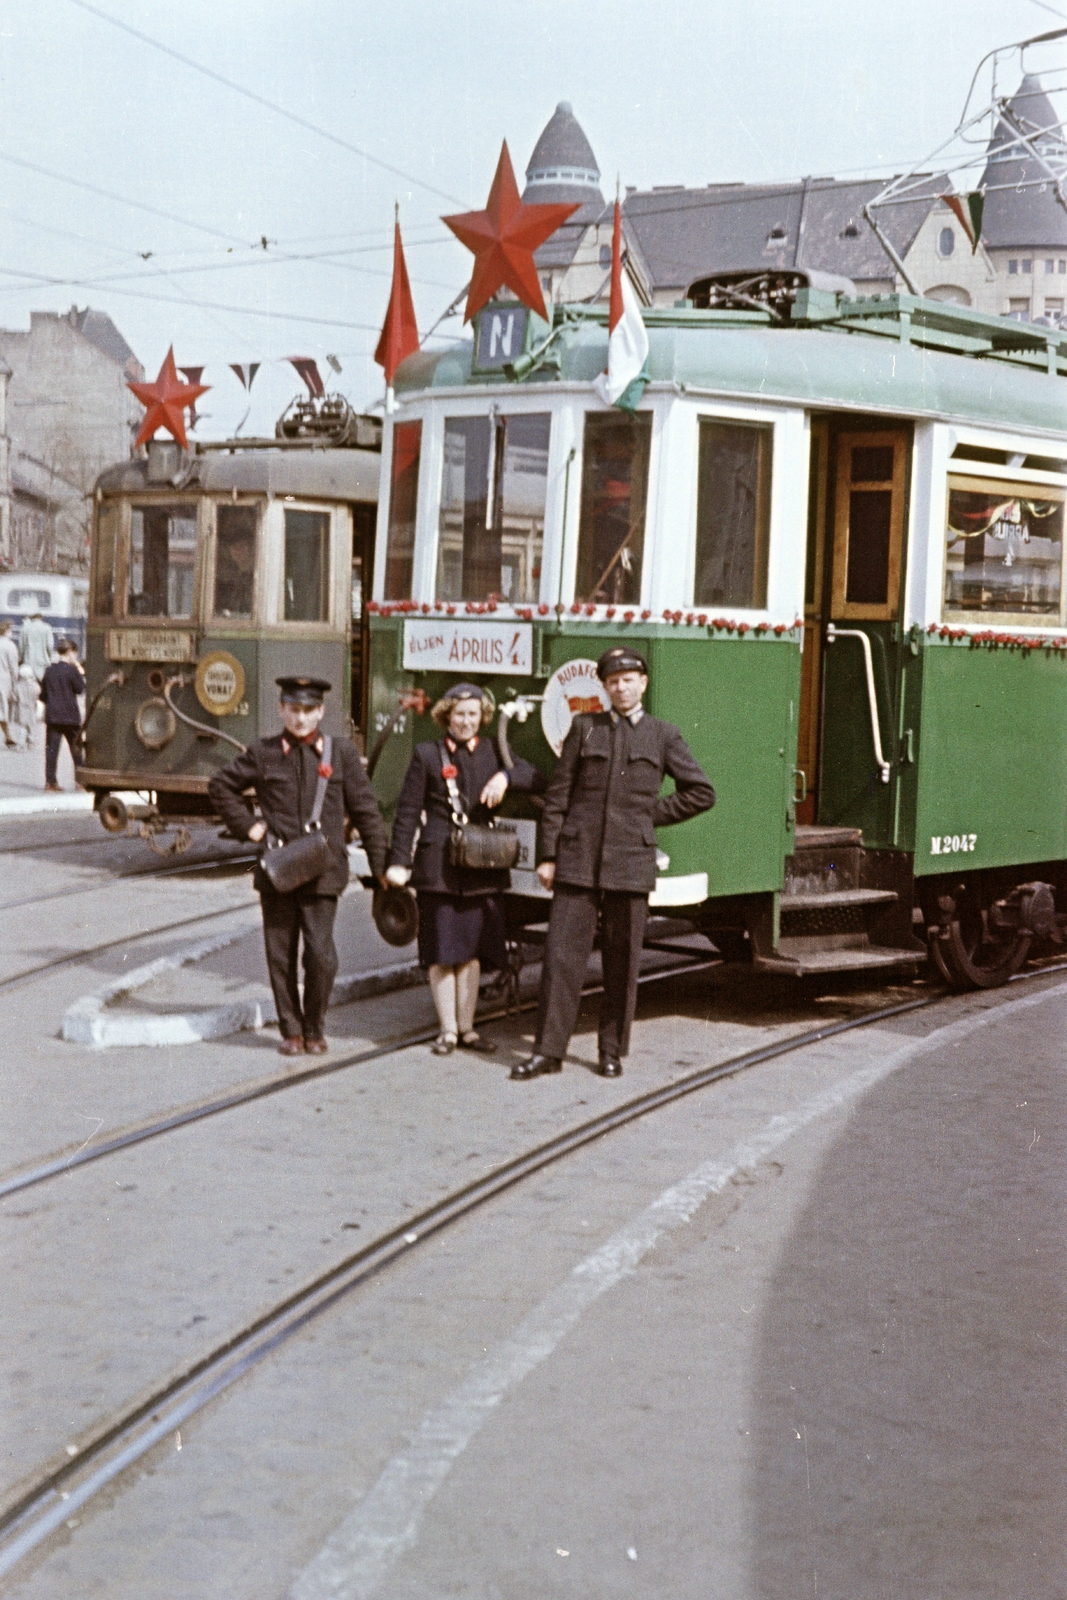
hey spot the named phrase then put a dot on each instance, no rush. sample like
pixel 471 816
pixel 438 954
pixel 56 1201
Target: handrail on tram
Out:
pixel 833 633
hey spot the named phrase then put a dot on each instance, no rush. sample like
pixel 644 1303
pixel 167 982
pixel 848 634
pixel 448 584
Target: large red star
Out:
pixel 503 238
pixel 166 400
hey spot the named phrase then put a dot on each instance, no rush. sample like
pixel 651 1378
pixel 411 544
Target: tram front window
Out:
pixel 108 523
pixel 611 534
pixel 733 515
pixel 235 560
pixel 493 487
pixel 403 502
pixel 162 561
pixel 307 565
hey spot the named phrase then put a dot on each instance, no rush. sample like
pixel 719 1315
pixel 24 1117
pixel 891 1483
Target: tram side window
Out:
pixel 493 488
pixel 307 566
pixel 403 504
pixel 1004 549
pixel 162 561
pixel 733 515
pixel 235 560
pixel 611 532
pixel 105 546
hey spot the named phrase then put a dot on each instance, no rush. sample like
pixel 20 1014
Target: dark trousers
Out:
pixel 285 918
pixel 55 734
pixel 572 927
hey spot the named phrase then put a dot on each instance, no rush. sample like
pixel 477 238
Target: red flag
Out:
pixel 400 333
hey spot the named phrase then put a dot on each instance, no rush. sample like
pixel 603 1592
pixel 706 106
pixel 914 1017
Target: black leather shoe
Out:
pixel 535 1067
pixel 609 1067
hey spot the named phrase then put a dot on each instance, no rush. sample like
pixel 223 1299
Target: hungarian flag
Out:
pixel 400 334
pixel 624 382
pixel 970 220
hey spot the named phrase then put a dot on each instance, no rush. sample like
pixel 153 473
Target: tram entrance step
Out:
pixel 835 897
pixel 838 960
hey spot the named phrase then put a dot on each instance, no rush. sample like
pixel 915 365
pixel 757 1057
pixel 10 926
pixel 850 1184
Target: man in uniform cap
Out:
pixel 599 857
pixel 283 772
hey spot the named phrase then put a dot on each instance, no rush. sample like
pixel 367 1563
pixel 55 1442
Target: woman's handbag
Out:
pixel 481 846
pixel 288 866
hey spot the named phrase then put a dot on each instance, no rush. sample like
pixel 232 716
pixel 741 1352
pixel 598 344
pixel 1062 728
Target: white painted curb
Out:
pixel 88 1022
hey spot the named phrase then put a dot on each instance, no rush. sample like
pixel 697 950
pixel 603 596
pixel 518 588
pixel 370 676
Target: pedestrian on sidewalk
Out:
pixel 9 678
pixel 61 686
pixel 461 915
pixel 37 645
pixel 25 705
pixel 285 773
pixel 599 857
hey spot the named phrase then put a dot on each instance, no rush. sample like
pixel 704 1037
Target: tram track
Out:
pixel 41 1505
pixel 126 877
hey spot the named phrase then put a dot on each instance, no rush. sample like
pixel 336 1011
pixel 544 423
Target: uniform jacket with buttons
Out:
pixel 425 796
pixel 603 800
pixel 284 775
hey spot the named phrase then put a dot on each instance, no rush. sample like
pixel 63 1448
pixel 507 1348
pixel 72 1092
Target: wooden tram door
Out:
pixel 859 502
pixel 814 608
pixel 363 522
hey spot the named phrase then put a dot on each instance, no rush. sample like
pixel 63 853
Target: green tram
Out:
pixel 834 525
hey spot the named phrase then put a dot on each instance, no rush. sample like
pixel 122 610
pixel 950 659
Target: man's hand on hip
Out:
pixel 547 874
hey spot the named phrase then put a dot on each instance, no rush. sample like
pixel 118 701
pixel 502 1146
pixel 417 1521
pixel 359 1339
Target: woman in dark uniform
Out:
pixel 461 918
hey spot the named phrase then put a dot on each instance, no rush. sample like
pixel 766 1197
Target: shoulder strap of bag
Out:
pixel 320 792
pixel 455 799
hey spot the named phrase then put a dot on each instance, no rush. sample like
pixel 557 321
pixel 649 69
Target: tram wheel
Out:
pixel 971 952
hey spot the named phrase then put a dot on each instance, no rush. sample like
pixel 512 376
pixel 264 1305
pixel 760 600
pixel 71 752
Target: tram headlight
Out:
pixel 155 724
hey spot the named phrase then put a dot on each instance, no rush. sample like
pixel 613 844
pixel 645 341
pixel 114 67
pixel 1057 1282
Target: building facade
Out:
pixel 675 235
pixel 68 416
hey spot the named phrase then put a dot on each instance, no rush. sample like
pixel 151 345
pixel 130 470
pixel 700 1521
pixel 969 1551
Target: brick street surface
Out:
pixel 842 1375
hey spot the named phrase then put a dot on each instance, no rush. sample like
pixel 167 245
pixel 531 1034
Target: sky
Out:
pixel 196 215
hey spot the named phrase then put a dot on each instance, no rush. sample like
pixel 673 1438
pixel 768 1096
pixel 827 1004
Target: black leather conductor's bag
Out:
pixel 479 845
pixel 289 866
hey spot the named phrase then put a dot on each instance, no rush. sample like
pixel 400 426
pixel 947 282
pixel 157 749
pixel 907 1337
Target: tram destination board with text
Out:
pixel 451 646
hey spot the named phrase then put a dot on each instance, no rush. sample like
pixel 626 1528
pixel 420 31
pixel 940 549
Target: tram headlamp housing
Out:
pixel 155 724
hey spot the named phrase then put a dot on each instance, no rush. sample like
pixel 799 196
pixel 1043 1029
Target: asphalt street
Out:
pixel 799 1334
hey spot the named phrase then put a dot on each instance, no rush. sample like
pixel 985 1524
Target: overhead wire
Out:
pixel 270 105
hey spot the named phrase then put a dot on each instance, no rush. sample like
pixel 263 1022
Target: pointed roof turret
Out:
pixel 563 166
pixel 1030 216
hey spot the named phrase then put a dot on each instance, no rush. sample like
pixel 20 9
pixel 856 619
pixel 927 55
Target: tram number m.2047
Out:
pixel 950 844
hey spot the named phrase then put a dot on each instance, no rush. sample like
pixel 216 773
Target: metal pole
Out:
pixel 891 253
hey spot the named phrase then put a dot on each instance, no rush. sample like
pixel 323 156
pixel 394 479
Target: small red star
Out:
pixel 166 400
pixel 503 238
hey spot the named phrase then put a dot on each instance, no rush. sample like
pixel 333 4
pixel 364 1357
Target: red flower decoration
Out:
pixel 627 616
pixel 645 615
pixel 610 612
pixel 590 611
pixel 449 772
pixel 542 610
pixel 702 618
pixel 451 610
pixel 325 770
pixel 575 609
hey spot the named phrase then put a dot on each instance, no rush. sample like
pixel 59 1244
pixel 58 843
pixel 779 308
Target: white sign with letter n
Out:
pixel 445 644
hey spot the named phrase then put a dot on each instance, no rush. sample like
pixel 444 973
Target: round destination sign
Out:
pixel 220 683
pixel 572 689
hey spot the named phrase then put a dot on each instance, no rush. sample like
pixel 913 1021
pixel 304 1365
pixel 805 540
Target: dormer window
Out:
pixel 850 231
pixel 777 234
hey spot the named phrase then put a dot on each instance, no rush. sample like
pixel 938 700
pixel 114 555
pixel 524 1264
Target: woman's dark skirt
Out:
pixel 457 928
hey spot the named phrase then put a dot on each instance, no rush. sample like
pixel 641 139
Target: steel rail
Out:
pixel 183 1117
pixel 44 1505
pixel 124 877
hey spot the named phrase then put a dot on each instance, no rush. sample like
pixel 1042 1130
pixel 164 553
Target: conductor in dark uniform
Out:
pixel 283 773
pixel 599 857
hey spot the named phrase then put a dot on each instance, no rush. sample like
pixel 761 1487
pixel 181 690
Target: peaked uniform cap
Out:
pixel 303 691
pixel 621 658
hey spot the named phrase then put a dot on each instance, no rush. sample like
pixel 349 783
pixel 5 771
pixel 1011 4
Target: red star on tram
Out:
pixel 166 400
pixel 503 239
